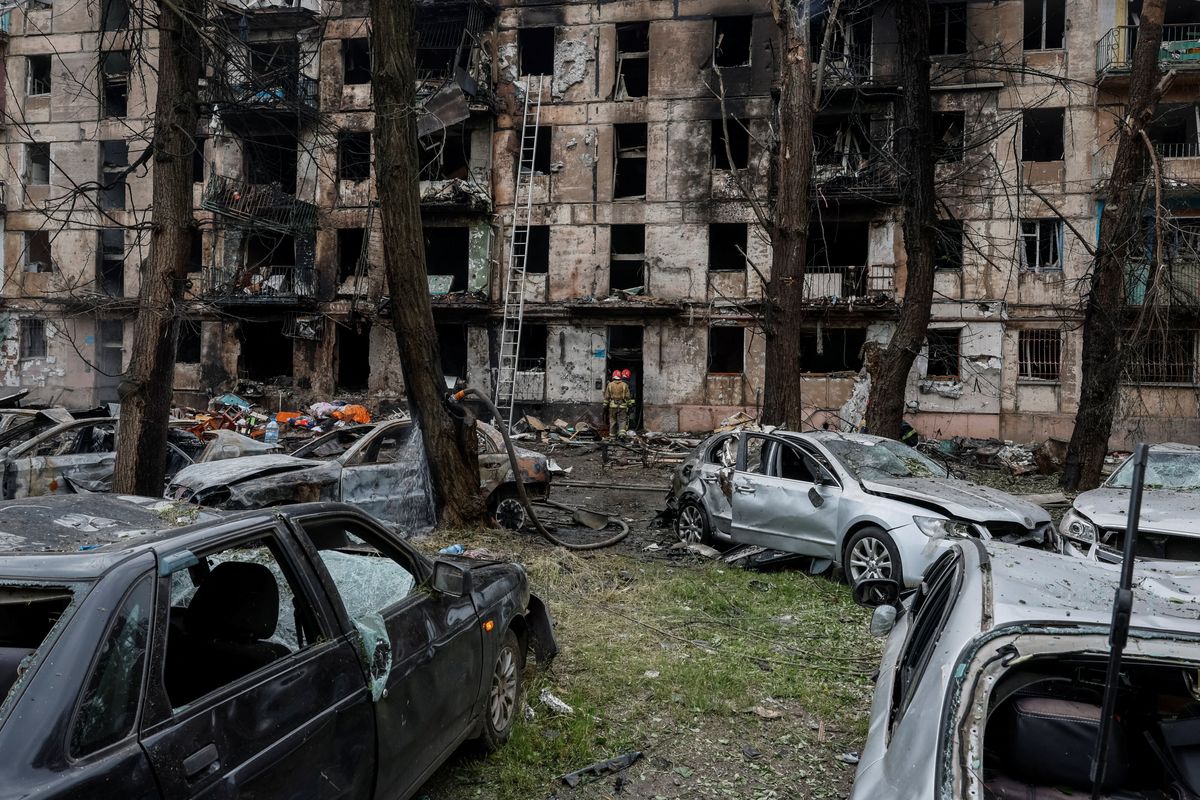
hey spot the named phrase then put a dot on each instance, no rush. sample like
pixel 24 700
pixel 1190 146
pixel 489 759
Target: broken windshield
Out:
pixel 1177 471
pixel 882 459
pixel 333 444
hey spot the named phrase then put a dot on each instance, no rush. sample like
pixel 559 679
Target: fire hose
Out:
pixel 523 496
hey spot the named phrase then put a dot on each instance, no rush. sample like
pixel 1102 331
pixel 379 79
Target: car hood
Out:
pixel 234 470
pixel 1163 510
pixel 961 500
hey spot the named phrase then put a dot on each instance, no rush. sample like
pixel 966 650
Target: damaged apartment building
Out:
pixel 591 173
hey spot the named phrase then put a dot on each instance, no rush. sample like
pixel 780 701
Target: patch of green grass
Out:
pixel 653 650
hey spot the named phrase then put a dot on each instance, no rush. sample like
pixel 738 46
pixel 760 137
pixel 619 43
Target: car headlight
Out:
pixel 938 528
pixel 1076 526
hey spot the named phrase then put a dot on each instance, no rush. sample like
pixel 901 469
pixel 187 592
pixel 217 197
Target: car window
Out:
pixel 108 708
pixel 332 445
pixel 930 610
pixel 758 454
pixel 794 465
pixel 1178 471
pixel 234 612
pixel 388 448
pixel 78 441
pixel 368 575
pixel 723 453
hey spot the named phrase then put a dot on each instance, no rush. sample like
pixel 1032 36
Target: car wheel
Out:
pixel 507 509
pixel 691 523
pixel 504 696
pixel 871 554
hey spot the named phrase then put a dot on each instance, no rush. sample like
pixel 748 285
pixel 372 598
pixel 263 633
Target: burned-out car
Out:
pixel 875 506
pixel 994 671
pixel 380 468
pixel 1094 527
pixel 151 649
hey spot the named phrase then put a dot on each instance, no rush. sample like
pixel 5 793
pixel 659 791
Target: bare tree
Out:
pixel 915 161
pixel 146 390
pixel 1104 351
pixel 450 443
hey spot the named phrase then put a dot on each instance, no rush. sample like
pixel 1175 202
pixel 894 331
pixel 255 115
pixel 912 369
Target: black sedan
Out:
pixel 149 649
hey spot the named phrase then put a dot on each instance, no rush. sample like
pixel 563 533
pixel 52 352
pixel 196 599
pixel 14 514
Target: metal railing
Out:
pixel 1180 47
pixel 293 94
pixel 855 66
pixel 260 284
pixel 1175 283
pixel 267 206
pixel 1177 149
pixel 827 283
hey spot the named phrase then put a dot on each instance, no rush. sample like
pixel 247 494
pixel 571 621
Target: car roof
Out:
pixel 1175 447
pixel 1030 585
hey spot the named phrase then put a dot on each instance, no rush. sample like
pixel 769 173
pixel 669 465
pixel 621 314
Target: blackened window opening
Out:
pixel 536 49
pixel 832 350
pixel 114 15
pixel 37 252
pixel 1175 130
pixel 739 144
pixel 727 242
pixel 943 354
pixel 1042 134
pixel 949 132
pixel 452 346
pixel 350 243
pixel 187 346
pixel 947 29
pixel 114 158
pixel 531 356
pixel 266 353
pixel 354 156
pixel 627 257
pixel 111 265
pixel 114 83
pixel 633 59
pixel 38 167
pixel 629 178
pixel 541 150
pixel 39 80
pixel 726 350
pixel 274 64
pixel 948 245
pixel 537 249
pixel 195 251
pixel 198 162
pixel 271 161
pixel 448 252
pixel 356 61
pixel 353 357
pixel 446 154
pixel 1045 21
pixel 265 251
pixel 732 37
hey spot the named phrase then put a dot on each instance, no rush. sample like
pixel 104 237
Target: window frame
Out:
pixel 1036 237
pixel 346 140
pixel 29 79
pixel 929 346
pixel 944 22
pixel 1026 343
pixel 23 353
pixel 709 352
pixel 1043 16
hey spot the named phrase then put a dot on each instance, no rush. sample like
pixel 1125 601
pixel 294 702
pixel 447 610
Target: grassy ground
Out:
pixel 732 683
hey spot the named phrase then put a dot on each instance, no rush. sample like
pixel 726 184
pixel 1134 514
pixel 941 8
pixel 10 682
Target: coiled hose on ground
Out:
pixel 523 496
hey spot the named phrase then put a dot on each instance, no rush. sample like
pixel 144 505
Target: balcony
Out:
pixel 263 206
pixel 262 14
pixel 867 179
pixel 1180 49
pixel 829 285
pixel 260 101
pixel 260 285
pixel 856 68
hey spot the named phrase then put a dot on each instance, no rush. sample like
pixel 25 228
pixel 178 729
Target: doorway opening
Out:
pixel 625 352
pixel 353 356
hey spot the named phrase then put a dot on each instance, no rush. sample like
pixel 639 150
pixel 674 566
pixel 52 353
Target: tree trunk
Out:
pixel 1104 357
pixel 146 391
pixel 792 172
pixel 450 443
pixel 914 162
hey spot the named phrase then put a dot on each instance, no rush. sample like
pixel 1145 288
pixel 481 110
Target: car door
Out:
pixel 80 454
pixel 722 454
pixel 257 693
pixel 431 674
pixel 385 475
pixel 779 501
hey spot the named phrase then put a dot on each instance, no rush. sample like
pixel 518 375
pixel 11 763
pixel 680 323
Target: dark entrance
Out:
pixel 625 352
pixel 353 356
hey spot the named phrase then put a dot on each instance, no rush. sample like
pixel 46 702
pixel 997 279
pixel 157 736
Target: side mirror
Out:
pixel 815 498
pixel 883 620
pixel 876 592
pixel 451 579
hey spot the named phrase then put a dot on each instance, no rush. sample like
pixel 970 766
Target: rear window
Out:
pixel 28 617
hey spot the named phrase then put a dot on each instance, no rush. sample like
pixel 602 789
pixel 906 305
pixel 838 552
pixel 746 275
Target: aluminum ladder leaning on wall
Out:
pixel 518 242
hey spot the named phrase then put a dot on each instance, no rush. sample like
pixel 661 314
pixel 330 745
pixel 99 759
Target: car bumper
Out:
pixel 917 551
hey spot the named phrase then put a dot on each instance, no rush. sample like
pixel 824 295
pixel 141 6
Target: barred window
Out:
pixel 33 338
pixel 1040 354
pixel 1163 358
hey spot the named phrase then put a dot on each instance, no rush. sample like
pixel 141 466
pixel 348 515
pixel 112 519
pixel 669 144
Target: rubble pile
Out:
pixel 1013 459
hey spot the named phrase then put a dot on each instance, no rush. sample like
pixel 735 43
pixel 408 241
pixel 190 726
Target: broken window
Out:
pixel 369 574
pixel 111 276
pixel 198 160
pixel 356 61
pixel 353 357
pixel 114 83
pixel 110 353
pixel 541 150
pixel 114 15
pixel 627 257
pixel 452 346
pixel 271 161
pixel 114 162
pixel 726 350
pixel 1042 134
pixel 37 157
pixel 354 156
pixel 731 41
pixel 37 252
pixel 1045 21
pixel 38 82
pixel 446 154
pixel 1039 353
pixel 629 175
pixel 28 615
pixel 448 253
pixel 948 245
pixel 274 65
pixel 841 145
pixel 1162 357
pixel 727 246
pixel 633 59
pixel 1041 245
pixel 947 29
pixel 351 243
pixel 1175 130
pixel 832 350
pixel 737 148
pixel 537 249
pixel 942 361
pixel 949 131
pixel 536 49
pixel 265 250
pixel 266 353
pixel 834 245
pixel 195 251
pixel 849 57
pixel 187 346
pixel 531 357
pixel 33 338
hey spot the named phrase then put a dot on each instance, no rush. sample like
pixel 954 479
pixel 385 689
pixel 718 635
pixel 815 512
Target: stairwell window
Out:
pixel 537 250
pixel 114 83
pixel 1039 354
pixel 737 154
pixel 727 247
pixel 949 139
pixel 37 163
pixel 37 252
pixel 114 15
pixel 633 60
pixel 1042 134
pixel 947 29
pixel 629 174
pixel 356 61
pixel 1045 21
pixel 1041 245
pixel 942 359
pixel 732 37
pixel 541 150
pixel 114 161
pixel 535 47
pixel 627 257
pixel 354 156
pixel 351 243
pixel 33 338
pixel 111 269
pixel 726 350
pixel 948 245
pixel 38 75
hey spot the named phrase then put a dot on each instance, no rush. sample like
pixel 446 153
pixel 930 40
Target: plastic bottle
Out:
pixel 271 434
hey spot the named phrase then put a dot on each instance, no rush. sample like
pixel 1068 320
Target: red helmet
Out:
pixel 626 374
pixel 616 374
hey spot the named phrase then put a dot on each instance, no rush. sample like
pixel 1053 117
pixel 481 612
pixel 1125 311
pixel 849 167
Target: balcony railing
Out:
pixel 1178 149
pixel 267 206
pixel 263 284
pixel 1180 48
pixel 855 66
pixel 1176 283
pixel 267 95
pixel 836 284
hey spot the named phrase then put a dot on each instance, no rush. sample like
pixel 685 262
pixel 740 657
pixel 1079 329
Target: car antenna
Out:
pixel 1118 632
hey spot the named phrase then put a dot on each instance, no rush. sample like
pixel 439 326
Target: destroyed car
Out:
pixel 380 468
pixel 994 670
pixel 148 650
pixel 874 506
pixel 1094 527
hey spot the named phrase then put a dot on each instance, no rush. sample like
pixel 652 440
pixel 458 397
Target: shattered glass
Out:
pixel 30 618
pixel 1177 471
pixel 367 580
pixel 375 651
pixel 882 459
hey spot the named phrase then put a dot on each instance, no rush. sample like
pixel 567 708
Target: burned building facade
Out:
pixel 592 179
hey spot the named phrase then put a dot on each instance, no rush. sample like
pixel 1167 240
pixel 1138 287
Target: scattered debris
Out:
pixel 750 752
pixel 766 713
pixel 452 550
pixel 651 673
pixel 697 548
pixel 554 703
pixel 602 768
pixel 848 758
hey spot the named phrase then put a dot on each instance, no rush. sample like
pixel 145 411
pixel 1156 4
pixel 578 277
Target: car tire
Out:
pixel 507 510
pixel 505 693
pixel 692 524
pixel 871 553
